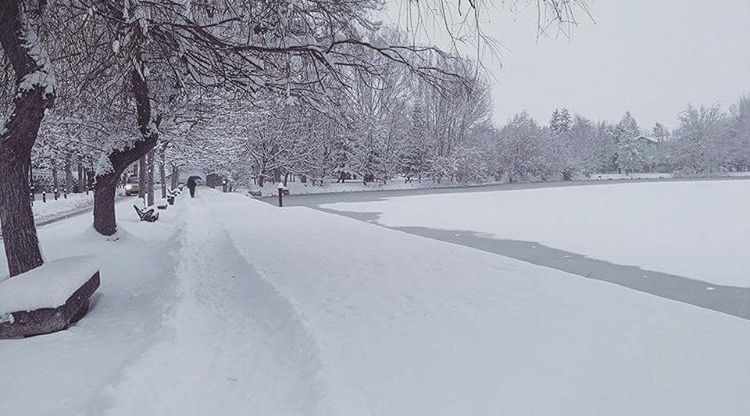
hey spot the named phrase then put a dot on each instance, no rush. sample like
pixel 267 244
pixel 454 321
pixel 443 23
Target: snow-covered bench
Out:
pixel 147 214
pixel 48 298
pixel 172 194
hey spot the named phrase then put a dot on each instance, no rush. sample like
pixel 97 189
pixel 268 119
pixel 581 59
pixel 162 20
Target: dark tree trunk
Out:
pixel 142 176
pixel 150 178
pixel 106 183
pixel 69 173
pixel 174 176
pixel 104 203
pixel 19 135
pixel 163 174
pixel 55 179
pixel 81 180
pixel 19 232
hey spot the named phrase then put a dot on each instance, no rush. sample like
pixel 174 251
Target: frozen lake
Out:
pixel 681 240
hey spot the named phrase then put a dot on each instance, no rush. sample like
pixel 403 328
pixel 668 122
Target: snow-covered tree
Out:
pixel 698 133
pixel 734 144
pixel 520 148
pixel 559 146
pixel 33 91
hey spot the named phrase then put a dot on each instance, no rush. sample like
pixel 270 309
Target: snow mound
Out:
pixel 47 286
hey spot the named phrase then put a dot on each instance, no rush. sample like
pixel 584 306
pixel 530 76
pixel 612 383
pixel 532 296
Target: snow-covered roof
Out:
pixel 645 138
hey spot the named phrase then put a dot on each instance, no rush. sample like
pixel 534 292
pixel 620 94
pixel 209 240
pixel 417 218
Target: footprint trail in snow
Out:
pixel 230 339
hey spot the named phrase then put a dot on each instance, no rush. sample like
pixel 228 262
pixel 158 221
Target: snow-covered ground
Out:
pixel 694 229
pixel 228 306
pixel 53 209
pixel 66 373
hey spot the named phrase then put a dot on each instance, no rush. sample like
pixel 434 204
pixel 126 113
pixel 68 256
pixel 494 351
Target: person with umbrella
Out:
pixel 192 182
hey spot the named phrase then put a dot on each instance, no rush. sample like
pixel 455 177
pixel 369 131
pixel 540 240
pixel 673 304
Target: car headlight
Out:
pixel 128 187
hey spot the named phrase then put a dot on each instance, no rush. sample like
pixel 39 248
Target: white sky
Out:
pixel 651 57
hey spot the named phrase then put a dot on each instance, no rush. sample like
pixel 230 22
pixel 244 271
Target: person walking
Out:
pixel 191 184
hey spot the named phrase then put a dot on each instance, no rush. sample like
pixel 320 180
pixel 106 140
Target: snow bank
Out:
pixel 414 326
pixel 51 210
pixel 48 286
pixel 694 229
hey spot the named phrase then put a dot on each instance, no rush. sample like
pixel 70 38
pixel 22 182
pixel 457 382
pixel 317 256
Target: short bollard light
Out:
pixel 280 188
pixel 44 196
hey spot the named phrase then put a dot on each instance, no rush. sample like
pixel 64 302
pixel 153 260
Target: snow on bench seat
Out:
pixel 48 298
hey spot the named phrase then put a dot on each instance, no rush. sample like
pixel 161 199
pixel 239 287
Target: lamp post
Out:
pixel 280 188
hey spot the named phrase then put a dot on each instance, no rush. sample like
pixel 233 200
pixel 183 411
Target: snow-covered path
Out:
pixel 232 345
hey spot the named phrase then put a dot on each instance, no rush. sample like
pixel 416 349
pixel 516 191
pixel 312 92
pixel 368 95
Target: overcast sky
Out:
pixel 651 57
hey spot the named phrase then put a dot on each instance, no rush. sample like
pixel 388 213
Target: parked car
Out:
pixel 131 185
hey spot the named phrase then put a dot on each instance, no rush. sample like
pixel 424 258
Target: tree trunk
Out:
pixel 105 221
pixel 19 231
pixel 163 174
pixel 142 177
pixel 19 134
pixel 55 179
pixel 69 173
pixel 104 203
pixel 174 176
pixel 81 181
pixel 150 170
